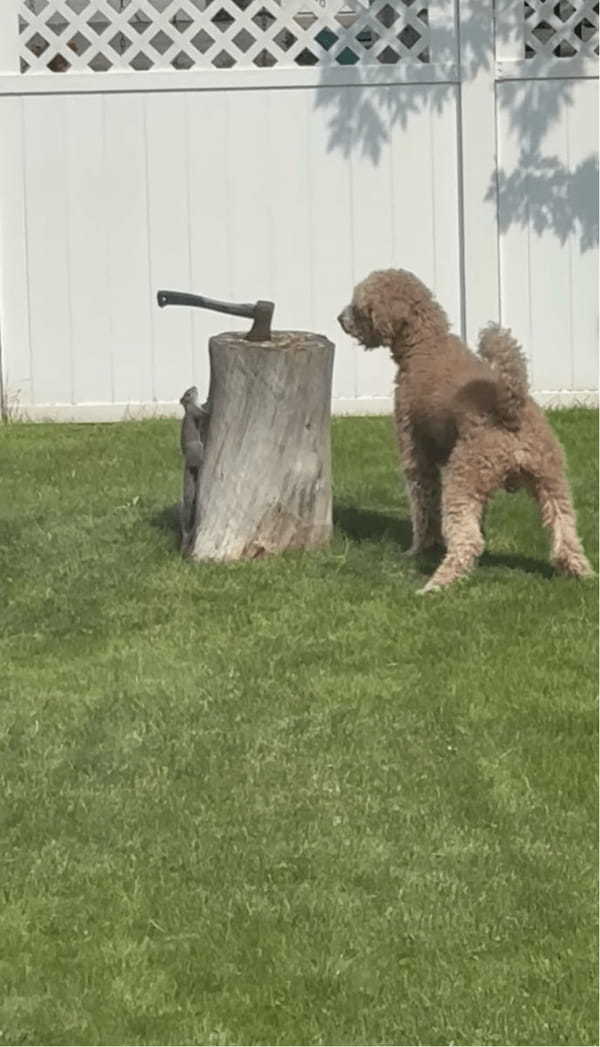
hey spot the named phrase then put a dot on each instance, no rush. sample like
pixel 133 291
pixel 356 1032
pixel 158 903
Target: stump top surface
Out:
pixel 280 340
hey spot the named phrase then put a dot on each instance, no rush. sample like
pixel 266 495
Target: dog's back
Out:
pixel 464 392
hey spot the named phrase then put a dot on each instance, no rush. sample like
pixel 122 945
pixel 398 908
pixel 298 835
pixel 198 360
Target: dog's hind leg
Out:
pixel 461 527
pixel 558 515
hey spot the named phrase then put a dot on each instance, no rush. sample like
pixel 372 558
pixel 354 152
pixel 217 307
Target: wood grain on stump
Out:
pixel 265 481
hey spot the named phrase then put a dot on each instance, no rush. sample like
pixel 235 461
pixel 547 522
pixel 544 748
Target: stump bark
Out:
pixel 265 481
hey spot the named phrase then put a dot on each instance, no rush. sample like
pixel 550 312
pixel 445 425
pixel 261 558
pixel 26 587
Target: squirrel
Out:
pixel 193 433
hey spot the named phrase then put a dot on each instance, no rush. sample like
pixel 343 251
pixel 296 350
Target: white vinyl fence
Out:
pixel 282 149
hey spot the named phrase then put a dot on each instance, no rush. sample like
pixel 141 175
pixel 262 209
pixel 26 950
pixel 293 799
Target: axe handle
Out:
pixel 180 298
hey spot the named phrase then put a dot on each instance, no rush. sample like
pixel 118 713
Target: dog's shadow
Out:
pixel 517 562
pixel 370 525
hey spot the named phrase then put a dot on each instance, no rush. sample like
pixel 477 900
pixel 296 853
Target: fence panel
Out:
pixel 267 149
pixel 547 183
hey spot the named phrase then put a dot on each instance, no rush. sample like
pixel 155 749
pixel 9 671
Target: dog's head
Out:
pixel 382 306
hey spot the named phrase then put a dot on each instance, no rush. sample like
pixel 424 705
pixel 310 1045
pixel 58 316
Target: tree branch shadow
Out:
pixel 361 119
pixel 542 192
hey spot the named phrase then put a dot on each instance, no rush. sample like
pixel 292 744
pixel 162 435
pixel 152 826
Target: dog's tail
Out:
pixel 505 356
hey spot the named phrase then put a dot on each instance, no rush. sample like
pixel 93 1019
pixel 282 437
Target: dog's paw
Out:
pixel 429 588
pixel 574 566
pixel 419 550
pixel 427 548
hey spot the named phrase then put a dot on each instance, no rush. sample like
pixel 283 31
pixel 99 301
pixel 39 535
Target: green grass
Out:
pixel 289 801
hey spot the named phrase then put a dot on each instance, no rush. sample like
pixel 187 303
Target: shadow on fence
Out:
pixel 541 190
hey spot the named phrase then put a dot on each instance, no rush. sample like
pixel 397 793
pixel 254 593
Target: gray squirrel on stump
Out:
pixel 257 455
pixel 193 438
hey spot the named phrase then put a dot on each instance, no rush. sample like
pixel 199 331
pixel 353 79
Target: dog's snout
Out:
pixel 344 319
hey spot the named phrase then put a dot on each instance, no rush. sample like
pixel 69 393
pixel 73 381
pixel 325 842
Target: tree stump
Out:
pixel 265 480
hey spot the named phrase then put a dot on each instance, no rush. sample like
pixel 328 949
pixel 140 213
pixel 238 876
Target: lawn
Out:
pixel 289 801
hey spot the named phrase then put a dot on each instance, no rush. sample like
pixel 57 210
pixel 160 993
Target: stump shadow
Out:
pixel 167 521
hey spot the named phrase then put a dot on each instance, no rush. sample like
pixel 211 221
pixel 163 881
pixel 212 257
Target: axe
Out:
pixel 261 313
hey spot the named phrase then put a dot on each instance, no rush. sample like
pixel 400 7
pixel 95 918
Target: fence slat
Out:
pixel 169 237
pixel 210 218
pixel 289 115
pixel 15 359
pixel 478 127
pixel 332 264
pixel 47 215
pixel 10 44
pixel 130 288
pixel 87 249
pixel 583 170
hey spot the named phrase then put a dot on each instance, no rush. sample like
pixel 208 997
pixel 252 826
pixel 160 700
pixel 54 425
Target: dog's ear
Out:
pixel 387 316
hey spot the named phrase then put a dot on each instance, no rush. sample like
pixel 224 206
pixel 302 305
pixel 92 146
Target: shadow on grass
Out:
pixel 369 525
pixel 167 521
pixel 516 562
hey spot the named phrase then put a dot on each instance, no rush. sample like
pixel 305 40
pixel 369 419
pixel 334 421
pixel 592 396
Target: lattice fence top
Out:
pixel 563 29
pixel 98 35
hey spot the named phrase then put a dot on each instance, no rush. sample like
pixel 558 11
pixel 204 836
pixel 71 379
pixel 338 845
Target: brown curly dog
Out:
pixel 466 425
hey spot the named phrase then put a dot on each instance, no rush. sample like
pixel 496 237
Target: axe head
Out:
pixel 261 328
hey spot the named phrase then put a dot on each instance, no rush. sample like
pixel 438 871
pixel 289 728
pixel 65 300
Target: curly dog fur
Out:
pixel 466 425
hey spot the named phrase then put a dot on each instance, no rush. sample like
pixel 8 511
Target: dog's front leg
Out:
pixel 423 482
pixel 423 486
